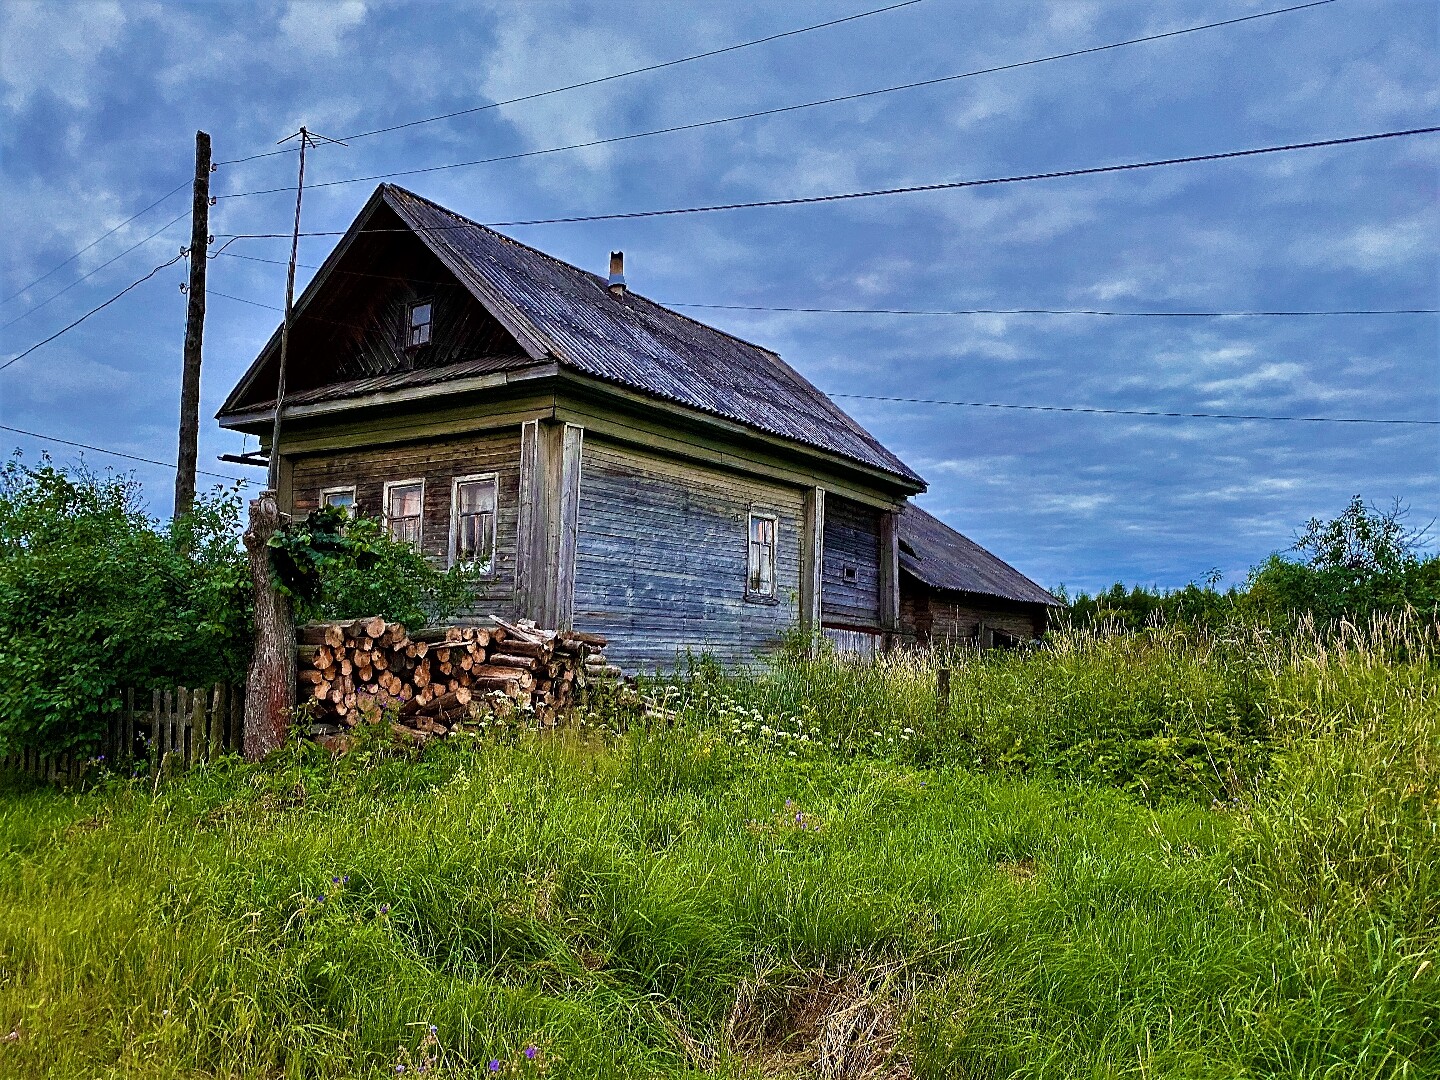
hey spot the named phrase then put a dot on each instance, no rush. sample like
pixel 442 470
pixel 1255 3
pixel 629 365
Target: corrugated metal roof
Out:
pixel 945 559
pixel 633 341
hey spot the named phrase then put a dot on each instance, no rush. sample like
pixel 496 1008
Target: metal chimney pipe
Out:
pixel 616 281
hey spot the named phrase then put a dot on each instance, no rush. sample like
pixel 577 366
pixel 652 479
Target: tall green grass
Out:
pixel 674 896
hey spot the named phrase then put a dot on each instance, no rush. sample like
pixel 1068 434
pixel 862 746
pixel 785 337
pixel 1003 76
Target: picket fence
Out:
pixel 180 727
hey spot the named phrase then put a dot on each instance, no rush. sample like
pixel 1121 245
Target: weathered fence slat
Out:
pixel 186 726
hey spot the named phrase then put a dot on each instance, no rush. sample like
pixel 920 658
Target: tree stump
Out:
pixel 270 687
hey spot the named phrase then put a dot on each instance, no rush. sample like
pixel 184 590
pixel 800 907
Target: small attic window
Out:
pixel 418 332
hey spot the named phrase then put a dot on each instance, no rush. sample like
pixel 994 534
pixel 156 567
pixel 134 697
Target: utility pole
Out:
pixel 307 139
pixel 194 329
pixel 270 686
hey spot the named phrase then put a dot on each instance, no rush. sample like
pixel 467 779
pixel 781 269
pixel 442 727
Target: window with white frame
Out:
pixel 343 497
pixel 760 569
pixel 404 503
pixel 417 330
pixel 472 521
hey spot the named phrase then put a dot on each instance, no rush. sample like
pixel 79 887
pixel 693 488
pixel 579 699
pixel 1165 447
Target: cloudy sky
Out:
pixel 99 104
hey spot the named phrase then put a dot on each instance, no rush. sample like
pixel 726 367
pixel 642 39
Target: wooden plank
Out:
pixel 890 571
pixel 200 727
pixel 235 734
pixel 218 706
pixel 812 561
pixel 568 527
pixel 529 555
pixel 157 720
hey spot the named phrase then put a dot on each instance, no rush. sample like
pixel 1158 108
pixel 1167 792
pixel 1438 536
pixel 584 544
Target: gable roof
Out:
pixel 942 558
pixel 560 313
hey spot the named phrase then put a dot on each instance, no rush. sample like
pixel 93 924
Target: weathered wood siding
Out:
pixel 852 543
pixel 661 558
pixel 437 463
pixel 934 616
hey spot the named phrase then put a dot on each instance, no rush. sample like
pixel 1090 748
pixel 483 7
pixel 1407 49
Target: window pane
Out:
pixel 339 498
pixel 476 495
pixel 420 315
pixel 406 530
pixel 405 501
pixel 760 572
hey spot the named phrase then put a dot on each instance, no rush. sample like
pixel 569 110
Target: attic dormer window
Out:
pixel 419 329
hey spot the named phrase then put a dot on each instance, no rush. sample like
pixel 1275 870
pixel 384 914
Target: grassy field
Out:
pixel 1160 855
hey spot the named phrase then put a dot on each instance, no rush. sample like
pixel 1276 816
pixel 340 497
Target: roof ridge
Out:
pixel 594 277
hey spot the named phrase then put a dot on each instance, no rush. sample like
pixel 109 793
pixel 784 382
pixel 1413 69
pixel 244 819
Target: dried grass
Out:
pixel 835 1022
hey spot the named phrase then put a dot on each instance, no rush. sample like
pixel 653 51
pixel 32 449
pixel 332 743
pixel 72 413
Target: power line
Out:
pixel 140 243
pixel 1137 412
pixel 911 189
pixel 116 453
pixel 1028 408
pixel 92 311
pixel 1061 311
pixel 139 213
pixel 786 108
pixel 597 81
pixel 946 311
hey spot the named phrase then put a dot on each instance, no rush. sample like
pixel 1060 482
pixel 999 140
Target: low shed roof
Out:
pixel 937 555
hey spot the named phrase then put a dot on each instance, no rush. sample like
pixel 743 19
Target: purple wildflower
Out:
pixel 334 881
pixel 320 899
pixel 530 1052
pixel 494 1064
pixel 433 1029
pixel 399 1068
pixel 384 909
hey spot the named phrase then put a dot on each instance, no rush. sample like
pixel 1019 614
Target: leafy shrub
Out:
pixel 95 596
pixel 1358 564
pixel 342 567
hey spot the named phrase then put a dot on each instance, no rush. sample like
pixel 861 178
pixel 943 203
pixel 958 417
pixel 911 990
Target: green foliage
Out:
pixel 343 567
pixel 1361 563
pixel 96 597
pixel 1137 608
pixel 303 551
pixel 1356 565
pixel 671 901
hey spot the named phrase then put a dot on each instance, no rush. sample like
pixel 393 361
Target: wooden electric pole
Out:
pixel 270 686
pixel 194 330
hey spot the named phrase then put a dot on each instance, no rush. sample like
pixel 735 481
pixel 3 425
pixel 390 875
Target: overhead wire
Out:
pixel 755 114
pixel 1216 314
pixel 117 453
pixel 997 405
pixel 108 232
pixel 910 189
pixel 598 80
pixel 1057 311
pixel 1138 412
pixel 85 277
pixel 92 311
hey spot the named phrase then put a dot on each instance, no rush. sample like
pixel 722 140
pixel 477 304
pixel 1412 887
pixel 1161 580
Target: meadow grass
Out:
pixel 883 890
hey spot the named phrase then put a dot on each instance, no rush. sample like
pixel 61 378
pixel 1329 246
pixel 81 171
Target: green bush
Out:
pixel 339 567
pixel 95 596
pixel 1360 563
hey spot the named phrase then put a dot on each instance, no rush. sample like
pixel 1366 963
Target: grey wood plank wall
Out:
pixel 661 558
pixel 437 463
pixel 850 589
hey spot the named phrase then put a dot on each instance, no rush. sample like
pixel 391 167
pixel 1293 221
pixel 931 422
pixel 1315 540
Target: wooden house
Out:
pixel 610 464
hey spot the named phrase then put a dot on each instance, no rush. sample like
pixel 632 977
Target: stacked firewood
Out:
pixel 436 679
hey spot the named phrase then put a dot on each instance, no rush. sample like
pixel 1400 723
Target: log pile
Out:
pixel 434 680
